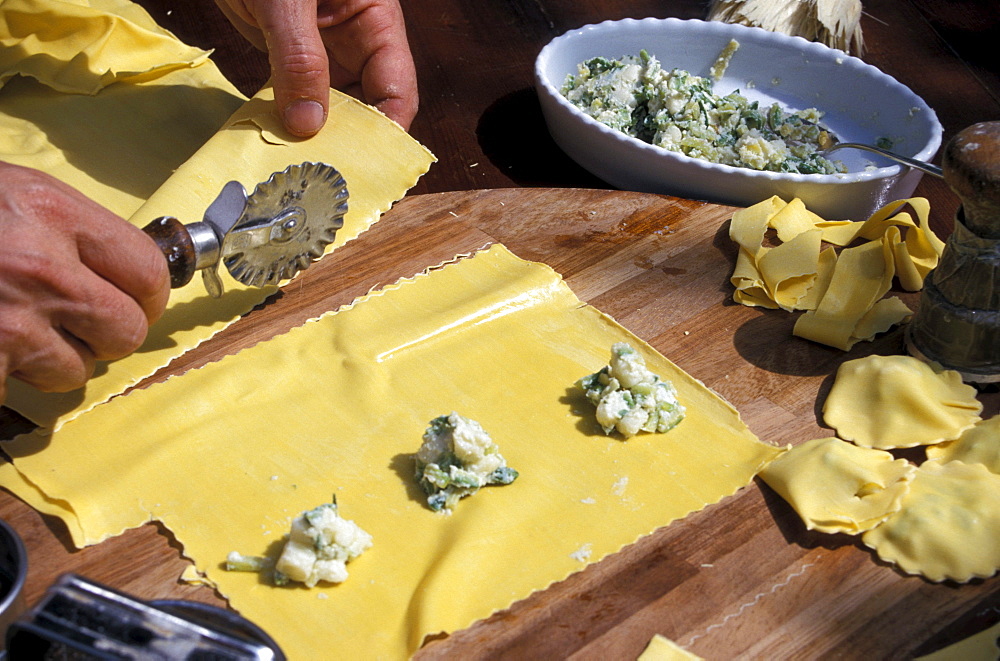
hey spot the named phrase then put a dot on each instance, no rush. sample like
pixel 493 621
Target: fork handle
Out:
pixel 899 158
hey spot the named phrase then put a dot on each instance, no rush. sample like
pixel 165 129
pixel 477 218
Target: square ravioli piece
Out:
pixel 948 525
pixel 837 487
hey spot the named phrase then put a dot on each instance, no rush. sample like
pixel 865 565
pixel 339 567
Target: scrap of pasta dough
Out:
pixel 780 276
pixel 852 308
pixel 948 526
pixel 837 487
pixel 979 444
pixel 890 402
pixel 661 648
pixel 852 304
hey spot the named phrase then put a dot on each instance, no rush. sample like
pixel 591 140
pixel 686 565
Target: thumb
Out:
pixel 300 69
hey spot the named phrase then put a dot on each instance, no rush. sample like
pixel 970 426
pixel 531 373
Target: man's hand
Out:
pixel 356 46
pixel 77 283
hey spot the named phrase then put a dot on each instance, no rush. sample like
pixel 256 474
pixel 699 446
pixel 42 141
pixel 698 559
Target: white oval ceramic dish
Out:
pixel 861 104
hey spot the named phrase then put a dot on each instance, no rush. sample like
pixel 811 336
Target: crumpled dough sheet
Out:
pixel 779 276
pixel 948 526
pixel 837 487
pixel 979 444
pixel 98 95
pixel 379 161
pixel 842 294
pixel 891 402
pixel 225 455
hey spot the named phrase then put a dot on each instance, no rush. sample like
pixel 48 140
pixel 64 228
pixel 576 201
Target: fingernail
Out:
pixel 304 117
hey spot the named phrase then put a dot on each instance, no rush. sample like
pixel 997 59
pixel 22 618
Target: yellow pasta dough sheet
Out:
pixel 227 454
pixel 98 95
pixel 147 98
pixel 661 648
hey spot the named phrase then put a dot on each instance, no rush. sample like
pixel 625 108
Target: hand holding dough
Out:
pixel 77 283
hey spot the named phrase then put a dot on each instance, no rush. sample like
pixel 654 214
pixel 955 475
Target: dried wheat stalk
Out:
pixel 836 23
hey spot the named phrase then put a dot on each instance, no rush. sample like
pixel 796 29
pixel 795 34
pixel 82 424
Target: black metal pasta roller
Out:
pixel 958 321
pixel 262 238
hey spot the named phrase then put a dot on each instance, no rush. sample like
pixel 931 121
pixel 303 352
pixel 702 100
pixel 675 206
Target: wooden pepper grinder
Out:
pixel 958 321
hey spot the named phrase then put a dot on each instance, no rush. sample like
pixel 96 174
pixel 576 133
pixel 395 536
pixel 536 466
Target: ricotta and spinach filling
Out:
pixel 457 458
pixel 317 549
pixel 629 397
pixel 679 112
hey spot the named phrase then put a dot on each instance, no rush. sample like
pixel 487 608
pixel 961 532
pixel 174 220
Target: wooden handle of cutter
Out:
pixel 971 164
pixel 178 248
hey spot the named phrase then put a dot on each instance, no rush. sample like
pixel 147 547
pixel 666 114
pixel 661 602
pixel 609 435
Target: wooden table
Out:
pixel 739 579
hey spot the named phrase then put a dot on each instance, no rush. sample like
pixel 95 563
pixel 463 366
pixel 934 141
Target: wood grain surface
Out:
pixel 742 578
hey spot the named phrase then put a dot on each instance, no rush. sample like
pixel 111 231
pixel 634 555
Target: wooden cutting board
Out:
pixel 742 578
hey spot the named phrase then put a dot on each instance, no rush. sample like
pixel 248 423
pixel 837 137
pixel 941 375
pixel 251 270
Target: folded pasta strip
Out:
pixel 840 291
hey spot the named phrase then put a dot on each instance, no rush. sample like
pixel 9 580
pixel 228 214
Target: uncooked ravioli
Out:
pixel 977 445
pixel 837 487
pixel 890 402
pixel 948 526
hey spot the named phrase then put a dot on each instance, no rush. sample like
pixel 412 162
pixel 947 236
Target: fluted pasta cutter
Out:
pixel 262 238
